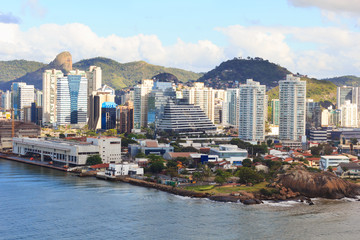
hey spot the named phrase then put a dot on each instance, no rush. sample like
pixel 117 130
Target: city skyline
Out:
pixel 310 37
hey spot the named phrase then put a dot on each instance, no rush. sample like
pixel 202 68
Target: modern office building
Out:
pixel 345 93
pixel 251 111
pixel 15 89
pixel 36 114
pixel 141 95
pixel 232 107
pixel 108 115
pixel 94 76
pixel 201 96
pixel 49 103
pixel 230 153
pixel 275 111
pixel 157 99
pixel 349 114
pixel 186 119
pixel 313 114
pixel 6 100
pixel 292 108
pixel 72 99
pixel 96 99
pixel 38 97
pixel 125 117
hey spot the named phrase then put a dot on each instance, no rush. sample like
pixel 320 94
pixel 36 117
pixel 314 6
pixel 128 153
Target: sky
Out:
pixel 318 38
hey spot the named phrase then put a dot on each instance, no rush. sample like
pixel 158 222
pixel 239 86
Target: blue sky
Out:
pixel 315 37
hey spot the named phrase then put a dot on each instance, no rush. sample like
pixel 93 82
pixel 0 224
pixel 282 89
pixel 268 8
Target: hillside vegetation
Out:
pixel 10 70
pixel 263 71
pixel 120 75
pixel 349 80
pixel 319 90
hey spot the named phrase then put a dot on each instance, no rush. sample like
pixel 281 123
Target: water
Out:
pixel 40 203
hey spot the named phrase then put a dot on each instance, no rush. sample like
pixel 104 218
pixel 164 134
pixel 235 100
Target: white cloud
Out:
pixel 352 6
pixel 316 51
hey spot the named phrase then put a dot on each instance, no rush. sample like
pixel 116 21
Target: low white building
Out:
pixel 125 168
pixel 332 161
pixel 70 153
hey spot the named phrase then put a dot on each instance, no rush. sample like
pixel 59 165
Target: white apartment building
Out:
pixel 68 152
pixel 6 100
pixel 26 97
pixel 292 108
pixel 332 161
pixel 231 107
pixel 349 114
pixel 252 103
pixel 94 76
pixel 50 95
pixel 141 94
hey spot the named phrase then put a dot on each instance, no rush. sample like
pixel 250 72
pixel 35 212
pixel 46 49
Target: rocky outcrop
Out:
pixel 315 184
pixel 63 61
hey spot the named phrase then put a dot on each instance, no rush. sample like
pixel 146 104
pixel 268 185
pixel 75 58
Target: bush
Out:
pixel 93 160
pixel 247 175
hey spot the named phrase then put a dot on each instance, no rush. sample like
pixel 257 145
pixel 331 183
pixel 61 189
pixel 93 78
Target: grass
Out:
pixel 226 189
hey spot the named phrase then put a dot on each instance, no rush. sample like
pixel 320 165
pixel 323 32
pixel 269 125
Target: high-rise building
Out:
pixel 292 108
pixel 313 114
pixel 38 97
pixel 94 76
pixel 72 99
pixel 96 99
pixel 345 93
pixel 141 95
pixel 108 115
pixel 201 96
pixel 275 111
pixel 251 111
pixel 6 100
pixel 125 117
pixel 26 97
pixel 49 103
pixel 349 114
pixel 16 98
pixel 232 107
pixel 330 117
pixel 157 99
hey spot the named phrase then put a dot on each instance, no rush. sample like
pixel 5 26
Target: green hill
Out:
pixel 10 70
pixel 120 75
pixel 349 80
pixel 263 71
pixel 319 90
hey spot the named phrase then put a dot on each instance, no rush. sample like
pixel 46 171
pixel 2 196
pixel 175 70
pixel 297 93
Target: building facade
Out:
pixel 292 108
pixel 275 111
pixel 141 95
pixel 251 111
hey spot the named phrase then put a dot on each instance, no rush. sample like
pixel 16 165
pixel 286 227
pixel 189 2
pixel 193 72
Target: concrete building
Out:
pixel 330 117
pixel 230 153
pixel 6 100
pixel 292 108
pixel 72 99
pixel 94 77
pixel 15 89
pixel 275 111
pixel 115 170
pixel 313 114
pixel 49 79
pixel 332 161
pixel 349 114
pixel 141 94
pixel 251 111
pixel 201 96
pixel 68 152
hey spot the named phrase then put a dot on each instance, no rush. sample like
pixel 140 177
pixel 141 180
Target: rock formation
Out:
pixel 63 61
pixel 318 184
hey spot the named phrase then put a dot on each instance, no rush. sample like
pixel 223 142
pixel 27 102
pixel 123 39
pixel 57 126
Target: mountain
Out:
pixel 115 74
pixel 120 75
pixel 263 71
pixel 349 80
pixel 319 90
pixel 10 70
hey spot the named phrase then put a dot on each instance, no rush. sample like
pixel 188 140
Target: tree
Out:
pixel 327 149
pixel 315 150
pixel 354 141
pixel 198 176
pixel 247 175
pixel 111 132
pixel 157 166
pixel 220 180
pixel 171 164
pixel 93 160
pixel 246 162
pixel 330 169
